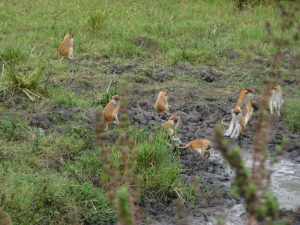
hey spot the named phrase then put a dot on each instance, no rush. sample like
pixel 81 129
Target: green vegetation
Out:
pixel 13 82
pixel 178 30
pixel 292 114
pixel 159 167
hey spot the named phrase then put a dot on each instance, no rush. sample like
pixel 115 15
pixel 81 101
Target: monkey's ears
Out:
pixel 116 97
pixel 249 90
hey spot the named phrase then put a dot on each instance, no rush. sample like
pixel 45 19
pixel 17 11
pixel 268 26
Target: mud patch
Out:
pixel 199 115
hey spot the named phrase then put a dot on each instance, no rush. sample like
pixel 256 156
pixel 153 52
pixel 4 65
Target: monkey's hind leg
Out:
pixel 271 105
pixel 106 126
pixel 230 129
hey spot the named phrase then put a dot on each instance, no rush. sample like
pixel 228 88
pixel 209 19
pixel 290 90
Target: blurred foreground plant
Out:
pixel 119 181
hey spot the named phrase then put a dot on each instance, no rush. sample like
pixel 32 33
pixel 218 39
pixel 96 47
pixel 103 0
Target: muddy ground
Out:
pixel 199 115
pixel 200 108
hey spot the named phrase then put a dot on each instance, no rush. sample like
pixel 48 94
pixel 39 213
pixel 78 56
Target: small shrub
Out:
pixel 291 115
pixel 28 83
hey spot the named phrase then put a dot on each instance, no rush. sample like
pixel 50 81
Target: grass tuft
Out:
pixel 28 83
pixel 291 114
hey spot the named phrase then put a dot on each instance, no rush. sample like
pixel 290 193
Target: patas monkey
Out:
pixel 237 124
pixel 244 100
pixel 66 47
pixel 201 146
pixel 170 127
pixel 111 110
pixel 276 100
pixel 161 104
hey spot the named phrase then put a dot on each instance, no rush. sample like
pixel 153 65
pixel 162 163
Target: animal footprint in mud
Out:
pixel 66 47
pixel 161 104
pixel 201 146
pixel 111 110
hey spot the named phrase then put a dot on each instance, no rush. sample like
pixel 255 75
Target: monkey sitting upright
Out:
pixel 161 104
pixel 111 110
pixel 66 47
pixel 237 124
pixel 244 101
pixel 276 100
pixel 170 127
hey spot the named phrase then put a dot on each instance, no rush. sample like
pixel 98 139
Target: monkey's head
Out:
pixel 116 99
pixel 247 92
pixel 236 110
pixel 163 94
pixel 175 119
pixel 69 37
pixel 277 88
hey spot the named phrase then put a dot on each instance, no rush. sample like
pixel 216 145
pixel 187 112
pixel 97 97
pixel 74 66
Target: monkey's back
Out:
pixel 108 113
pixel 160 105
pixel 199 144
pixel 64 49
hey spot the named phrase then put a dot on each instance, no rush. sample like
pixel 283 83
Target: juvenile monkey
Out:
pixel 111 110
pixel 66 47
pixel 244 100
pixel 161 104
pixel 276 100
pixel 237 124
pixel 170 126
pixel 201 146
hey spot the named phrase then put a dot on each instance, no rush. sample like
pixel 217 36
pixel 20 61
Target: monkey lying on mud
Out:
pixel 201 146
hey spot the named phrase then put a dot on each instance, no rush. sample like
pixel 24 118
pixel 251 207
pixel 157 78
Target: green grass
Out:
pixel 291 114
pixel 158 166
pixel 181 30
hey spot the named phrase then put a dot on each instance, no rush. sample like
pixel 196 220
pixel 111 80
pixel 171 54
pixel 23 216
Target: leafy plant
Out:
pixel 28 83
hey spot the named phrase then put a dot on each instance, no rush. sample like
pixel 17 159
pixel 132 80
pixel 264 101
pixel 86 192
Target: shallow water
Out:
pixel 285 185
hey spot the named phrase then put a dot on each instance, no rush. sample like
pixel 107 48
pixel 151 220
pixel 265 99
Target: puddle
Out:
pixel 285 185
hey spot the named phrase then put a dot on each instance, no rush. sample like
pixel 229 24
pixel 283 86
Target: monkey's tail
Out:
pixel 182 146
pixel 227 124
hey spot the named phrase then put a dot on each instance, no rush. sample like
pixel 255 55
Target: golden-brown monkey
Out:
pixel 201 146
pixel 276 100
pixel 66 47
pixel 237 124
pixel 170 126
pixel 161 104
pixel 111 110
pixel 244 100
